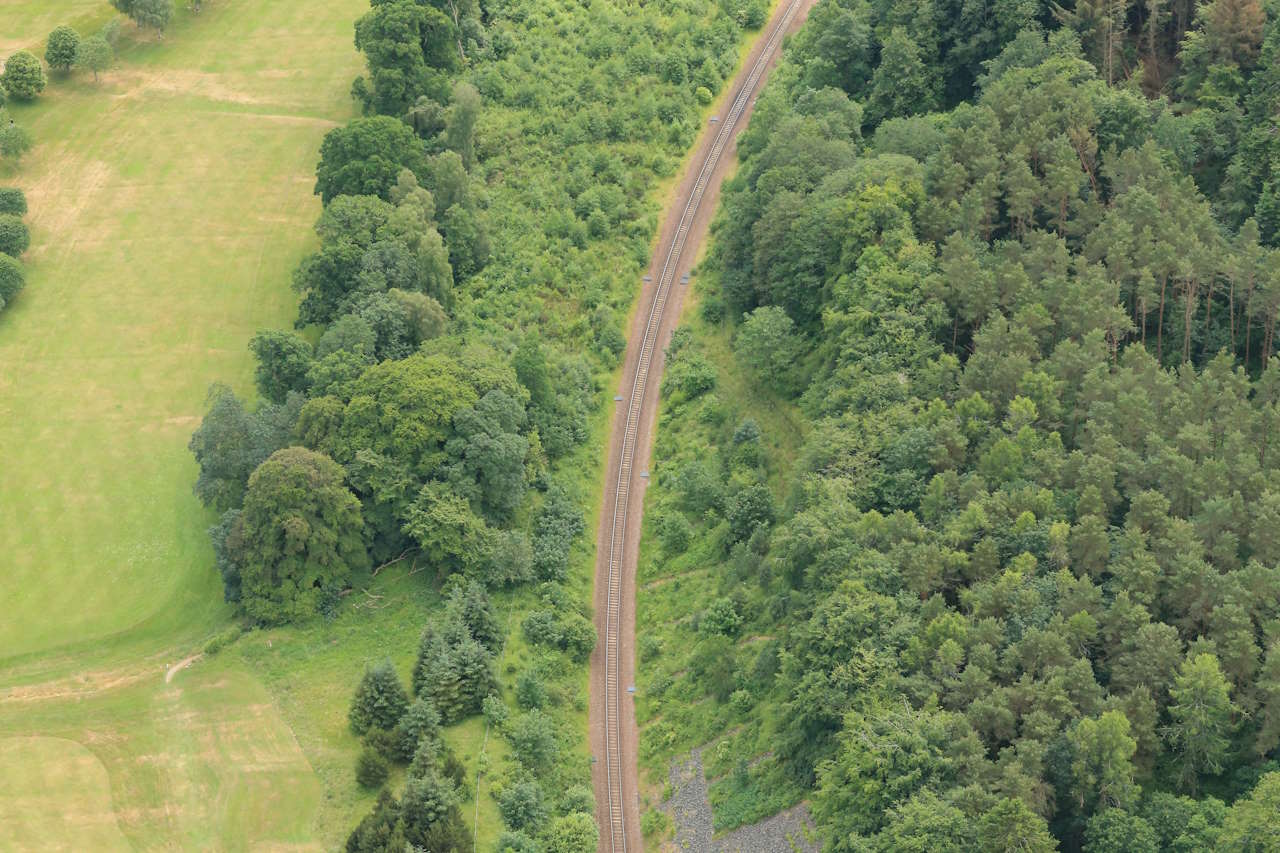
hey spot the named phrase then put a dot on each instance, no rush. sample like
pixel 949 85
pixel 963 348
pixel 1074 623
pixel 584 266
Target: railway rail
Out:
pixel 615 839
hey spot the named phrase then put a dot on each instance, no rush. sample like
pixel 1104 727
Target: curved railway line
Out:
pixel 617 816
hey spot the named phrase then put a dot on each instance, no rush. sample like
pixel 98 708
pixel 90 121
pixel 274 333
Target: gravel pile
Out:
pixel 781 833
pixel 689 807
pixel 690 811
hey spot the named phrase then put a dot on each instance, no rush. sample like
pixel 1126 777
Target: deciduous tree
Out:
pixel 298 538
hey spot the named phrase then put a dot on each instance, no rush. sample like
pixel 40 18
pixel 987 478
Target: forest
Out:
pixel 966 521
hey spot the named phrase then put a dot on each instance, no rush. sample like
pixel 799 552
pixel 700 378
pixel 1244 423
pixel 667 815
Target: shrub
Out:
pixel 720 617
pixel 516 842
pixel 383 742
pixel 12 279
pixel 674 532
pixel 691 374
pixel 541 629
pixel 574 833
pixel 577 636
pixel 531 692
pixel 14 139
pixel 521 805
pixel 12 201
pixel 749 509
pixel 495 711
pixel 712 309
pixel 649 647
pixel 14 236
pixel 371 769
pixel 654 823
pixel 556 525
pixel 578 799
pixel 222 640
pixel 533 738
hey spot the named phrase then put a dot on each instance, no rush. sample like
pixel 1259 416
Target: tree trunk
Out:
pixel 1208 307
pixel 1231 306
pixel 1164 284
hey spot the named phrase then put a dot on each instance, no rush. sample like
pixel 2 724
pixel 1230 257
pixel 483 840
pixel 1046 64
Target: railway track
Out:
pixel 615 839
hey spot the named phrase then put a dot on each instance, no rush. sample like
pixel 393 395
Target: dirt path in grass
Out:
pixel 621 831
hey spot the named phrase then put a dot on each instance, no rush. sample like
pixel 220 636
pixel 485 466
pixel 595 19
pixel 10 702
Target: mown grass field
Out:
pixel 169 204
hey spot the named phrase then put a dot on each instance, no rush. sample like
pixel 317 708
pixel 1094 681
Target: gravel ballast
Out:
pixel 690 811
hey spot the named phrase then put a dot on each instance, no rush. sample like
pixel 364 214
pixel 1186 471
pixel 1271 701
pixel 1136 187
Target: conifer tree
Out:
pixel 380 701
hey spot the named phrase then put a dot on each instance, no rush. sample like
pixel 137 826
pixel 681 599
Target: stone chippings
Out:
pixel 690 810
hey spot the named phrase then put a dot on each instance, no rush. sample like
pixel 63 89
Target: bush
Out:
pixel 557 524
pixel 768 344
pixel 533 739
pixel 674 532
pixel 531 692
pixel 14 236
pixel 720 617
pixel 14 140
pixel 522 807
pixel 578 799
pixel 23 77
pixel 222 640
pixel 654 823
pixel 691 374
pixel 371 769
pixel 572 633
pixel 12 201
pixel 749 509
pixel 383 742
pixel 495 711
pixel 574 833
pixel 12 279
pixel 712 309
pixel 577 636
pixel 516 842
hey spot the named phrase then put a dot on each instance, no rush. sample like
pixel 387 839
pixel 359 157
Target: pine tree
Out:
pixel 471 604
pixel 1202 719
pixel 379 831
pixel 420 723
pixel 380 700
pixel 902 84
pixel 371 768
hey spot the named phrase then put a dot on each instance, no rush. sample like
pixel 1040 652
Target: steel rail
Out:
pixel 635 403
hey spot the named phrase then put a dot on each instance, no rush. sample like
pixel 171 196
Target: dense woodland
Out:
pixel 1015 268
pixel 484 224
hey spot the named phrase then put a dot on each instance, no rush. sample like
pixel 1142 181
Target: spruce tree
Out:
pixel 420 723
pixel 380 700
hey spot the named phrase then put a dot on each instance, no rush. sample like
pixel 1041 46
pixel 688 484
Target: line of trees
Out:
pixel 14 240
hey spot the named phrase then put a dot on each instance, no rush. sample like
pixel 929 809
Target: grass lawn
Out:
pixel 169 204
